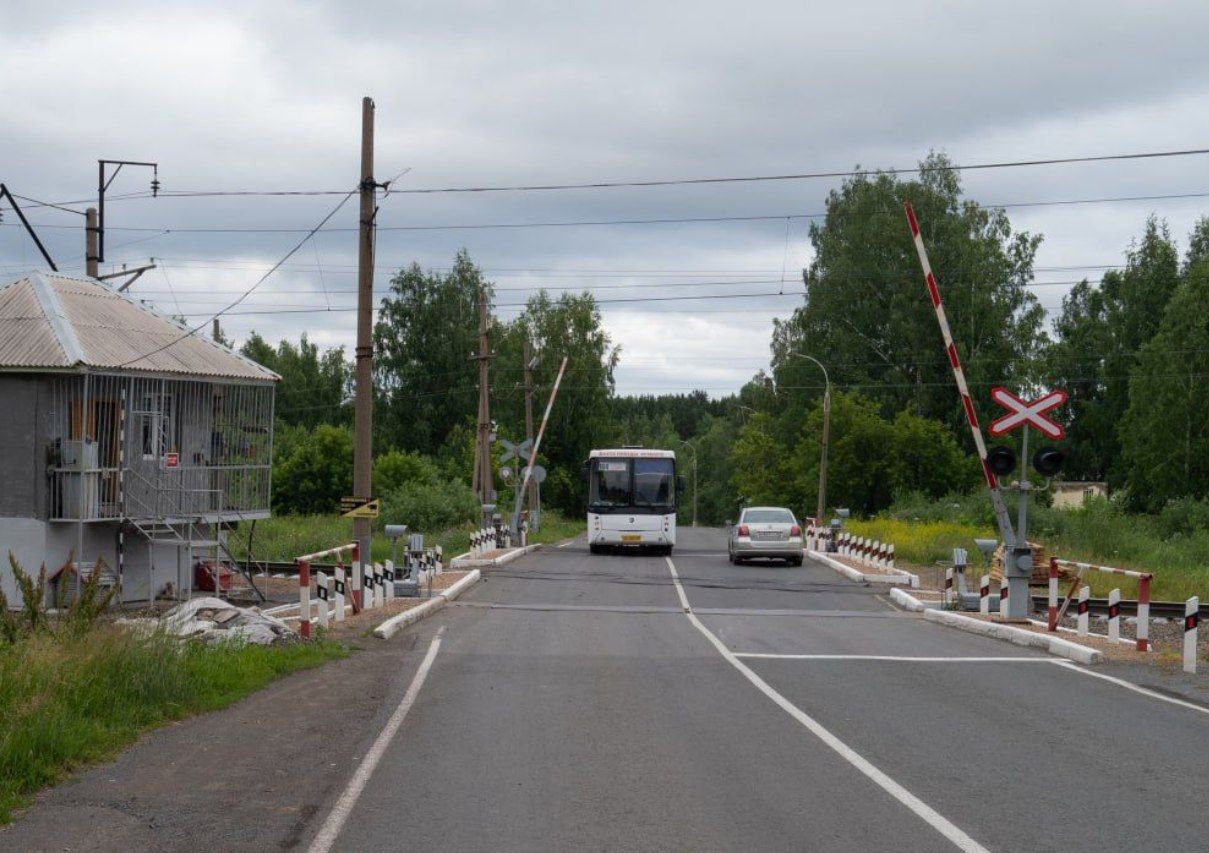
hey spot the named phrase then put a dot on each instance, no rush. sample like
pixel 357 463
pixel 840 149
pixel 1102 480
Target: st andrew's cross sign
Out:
pixel 1028 414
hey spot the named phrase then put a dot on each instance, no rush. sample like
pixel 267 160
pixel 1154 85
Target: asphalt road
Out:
pixel 574 705
pixel 572 702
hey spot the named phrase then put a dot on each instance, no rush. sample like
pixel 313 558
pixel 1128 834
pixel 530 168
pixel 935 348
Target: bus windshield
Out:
pixel 644 482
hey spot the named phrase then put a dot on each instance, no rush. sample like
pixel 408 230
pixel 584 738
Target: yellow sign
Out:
pixel 367 509
pixel 631 537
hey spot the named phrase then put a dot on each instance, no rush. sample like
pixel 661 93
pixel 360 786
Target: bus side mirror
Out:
pixel 681 484
pixel 587 475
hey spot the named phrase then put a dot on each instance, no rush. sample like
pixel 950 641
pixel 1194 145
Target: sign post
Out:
pixel 1022 414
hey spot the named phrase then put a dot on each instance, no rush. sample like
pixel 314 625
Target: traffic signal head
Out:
pixel 1048 461
pixel 1002 460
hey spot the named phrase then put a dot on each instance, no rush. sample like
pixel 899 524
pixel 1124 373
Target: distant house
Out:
pixel 1073 494
pixel 123 439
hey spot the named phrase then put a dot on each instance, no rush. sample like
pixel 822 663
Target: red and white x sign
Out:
pixel 1025 414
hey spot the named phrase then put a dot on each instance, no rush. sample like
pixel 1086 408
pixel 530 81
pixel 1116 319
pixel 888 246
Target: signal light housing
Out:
pixel 1002 460
pixel 1048 461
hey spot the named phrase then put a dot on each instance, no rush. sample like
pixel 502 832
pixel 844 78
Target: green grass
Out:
pixel 1100 533
pixel 79 697
pixel 285 537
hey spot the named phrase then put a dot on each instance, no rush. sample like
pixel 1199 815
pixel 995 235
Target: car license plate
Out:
pixel 631 537
pixel 766 535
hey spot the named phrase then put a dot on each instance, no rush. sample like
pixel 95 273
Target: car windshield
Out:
pixel 768 516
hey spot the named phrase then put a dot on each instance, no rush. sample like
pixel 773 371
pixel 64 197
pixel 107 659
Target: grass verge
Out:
pixel 1099 533
pixel 72 699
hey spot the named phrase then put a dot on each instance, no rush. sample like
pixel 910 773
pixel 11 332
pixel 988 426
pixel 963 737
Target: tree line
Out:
pixel 1131 349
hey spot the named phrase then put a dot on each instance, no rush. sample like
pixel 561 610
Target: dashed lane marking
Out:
pixel 921 809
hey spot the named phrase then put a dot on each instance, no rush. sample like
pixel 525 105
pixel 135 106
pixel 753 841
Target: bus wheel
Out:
pixel 594 549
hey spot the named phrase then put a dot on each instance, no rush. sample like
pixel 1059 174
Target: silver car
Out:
pixel 766 531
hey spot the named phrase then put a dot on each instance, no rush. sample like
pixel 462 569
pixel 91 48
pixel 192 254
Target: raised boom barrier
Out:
pixel 1055 613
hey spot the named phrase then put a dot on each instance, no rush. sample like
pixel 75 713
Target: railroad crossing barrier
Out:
pixel 304 586
pixel 1055 613
pixel 1191 618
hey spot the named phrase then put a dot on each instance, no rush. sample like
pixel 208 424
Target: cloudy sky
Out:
pixel 267 96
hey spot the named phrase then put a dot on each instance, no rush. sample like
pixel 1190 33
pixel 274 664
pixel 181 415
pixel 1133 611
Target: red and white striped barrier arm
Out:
pixel 1001 514
pixel 1084 607
pixel 1114 615
pixel 984 595
pixel 1191 617
pixel 1143 578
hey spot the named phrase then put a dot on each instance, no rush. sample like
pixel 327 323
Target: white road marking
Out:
pixel 903 658
pixel 1129 685
pixel 921 809
pixel 339 814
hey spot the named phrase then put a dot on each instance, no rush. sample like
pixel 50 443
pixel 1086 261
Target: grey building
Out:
pixel 126 446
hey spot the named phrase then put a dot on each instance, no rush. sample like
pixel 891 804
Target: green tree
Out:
pixel 314 385
pixel 316 470
pixel 867 314
pixel 425 380
pixel 1165 430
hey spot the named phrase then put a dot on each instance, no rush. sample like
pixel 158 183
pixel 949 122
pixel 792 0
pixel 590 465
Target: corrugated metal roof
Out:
pixel 48 320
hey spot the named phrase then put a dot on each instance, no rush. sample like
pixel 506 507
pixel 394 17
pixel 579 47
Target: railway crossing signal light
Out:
pixel 1048 461
pixel 1002 460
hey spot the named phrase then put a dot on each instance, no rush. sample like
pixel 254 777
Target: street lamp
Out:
pixel 693 447
pixel 826 431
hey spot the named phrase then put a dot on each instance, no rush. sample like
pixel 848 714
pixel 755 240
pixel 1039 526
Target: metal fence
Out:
pixel 127 446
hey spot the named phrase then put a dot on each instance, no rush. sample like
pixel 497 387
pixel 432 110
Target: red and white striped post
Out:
pixel 304 599
pixel 1003 597
pixel 1144 613
pixel 948 596
pixel 1053 594
pixel 355 587
pixel 1192 610
pixel 890 557
pixel 1084 607
pixel 1114 615
pixel 984 595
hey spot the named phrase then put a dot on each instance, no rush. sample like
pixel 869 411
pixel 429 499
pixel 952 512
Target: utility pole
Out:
pixel 483 479
pixel 822 507
pixel 91 251
pixel 216 331
pixel 364 403
pixel 534 499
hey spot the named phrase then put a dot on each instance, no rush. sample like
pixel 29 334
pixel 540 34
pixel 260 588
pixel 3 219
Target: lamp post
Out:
pixel 826 431
pixel 693 448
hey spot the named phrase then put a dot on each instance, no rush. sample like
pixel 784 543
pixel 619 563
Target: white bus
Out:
pixel 632 495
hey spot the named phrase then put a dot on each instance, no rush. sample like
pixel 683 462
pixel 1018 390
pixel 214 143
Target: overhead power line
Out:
pixel 670 182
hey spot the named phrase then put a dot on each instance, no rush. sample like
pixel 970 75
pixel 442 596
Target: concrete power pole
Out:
pixel 533 497
pixel 483 480
pixel 364 403
pixel 822 507
pixel 91 251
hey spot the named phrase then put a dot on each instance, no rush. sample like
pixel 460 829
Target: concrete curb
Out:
pixel 463 561
pixel 898 578
pixel 1054 645
pixel 399 621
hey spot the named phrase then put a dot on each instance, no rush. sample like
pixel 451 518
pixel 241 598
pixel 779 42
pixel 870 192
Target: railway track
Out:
pixel 1166 609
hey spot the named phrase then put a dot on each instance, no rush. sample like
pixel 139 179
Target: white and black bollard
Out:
pixel 339 586
pixel 984 595
pixel 322 593
pixel 1114 615
pixel 1084 607
pixel 388 572
pixel 1191 616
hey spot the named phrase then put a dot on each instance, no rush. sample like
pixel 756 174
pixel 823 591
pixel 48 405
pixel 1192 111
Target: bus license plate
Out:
pixel 631 537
